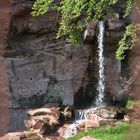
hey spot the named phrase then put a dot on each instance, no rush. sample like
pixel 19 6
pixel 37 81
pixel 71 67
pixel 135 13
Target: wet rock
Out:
pixel 91 115
pixel 81 127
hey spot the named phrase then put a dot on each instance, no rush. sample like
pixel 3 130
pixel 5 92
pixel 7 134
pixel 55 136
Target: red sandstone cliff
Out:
pixel 33 63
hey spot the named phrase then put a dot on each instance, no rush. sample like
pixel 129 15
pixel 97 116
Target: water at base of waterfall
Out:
pixel 81 117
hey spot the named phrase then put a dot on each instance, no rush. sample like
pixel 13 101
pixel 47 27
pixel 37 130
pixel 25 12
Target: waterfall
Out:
pixel 101 84
pixel 88 115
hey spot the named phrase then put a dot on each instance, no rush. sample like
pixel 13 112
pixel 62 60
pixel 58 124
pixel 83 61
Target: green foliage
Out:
pixel 129 4
pixel 76 14
pixel 40 7
pixel 109 133
pixel 131 103
pixel 128 41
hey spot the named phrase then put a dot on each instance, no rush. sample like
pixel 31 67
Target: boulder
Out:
pixel 46 118
pixel 26 135
pixel 87 124
pixel 48 129
pixel 44 111
pixel 110 112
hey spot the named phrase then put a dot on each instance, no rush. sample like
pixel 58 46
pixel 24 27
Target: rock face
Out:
pixel 134 55
pixel 36 68
pixel 5 8
pixel 39 67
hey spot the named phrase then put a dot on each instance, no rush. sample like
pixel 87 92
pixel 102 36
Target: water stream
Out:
pixel 101 84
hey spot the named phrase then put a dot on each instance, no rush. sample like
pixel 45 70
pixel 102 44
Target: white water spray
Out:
pixel 101 84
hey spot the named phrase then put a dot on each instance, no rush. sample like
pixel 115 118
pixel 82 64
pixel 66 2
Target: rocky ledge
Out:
pixel 57 122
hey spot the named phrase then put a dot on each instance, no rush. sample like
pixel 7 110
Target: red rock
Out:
pixel 39 111
pixel 91 124
pixel 81 127
pixel 38 124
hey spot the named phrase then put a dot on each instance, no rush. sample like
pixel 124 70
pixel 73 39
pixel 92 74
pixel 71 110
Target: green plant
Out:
pixel 128 41
pixel 131 103
pixel 129 7
pixel 76 14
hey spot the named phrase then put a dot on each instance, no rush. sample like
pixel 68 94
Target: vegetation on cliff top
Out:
pixel 76 14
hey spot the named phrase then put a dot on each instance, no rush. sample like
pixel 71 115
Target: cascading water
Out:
pixel 101 84
pixel 89 115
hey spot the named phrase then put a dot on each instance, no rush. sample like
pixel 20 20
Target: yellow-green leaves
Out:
pixel 40 7
pixel 127 42
pixel 129 7
pixel 76 14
